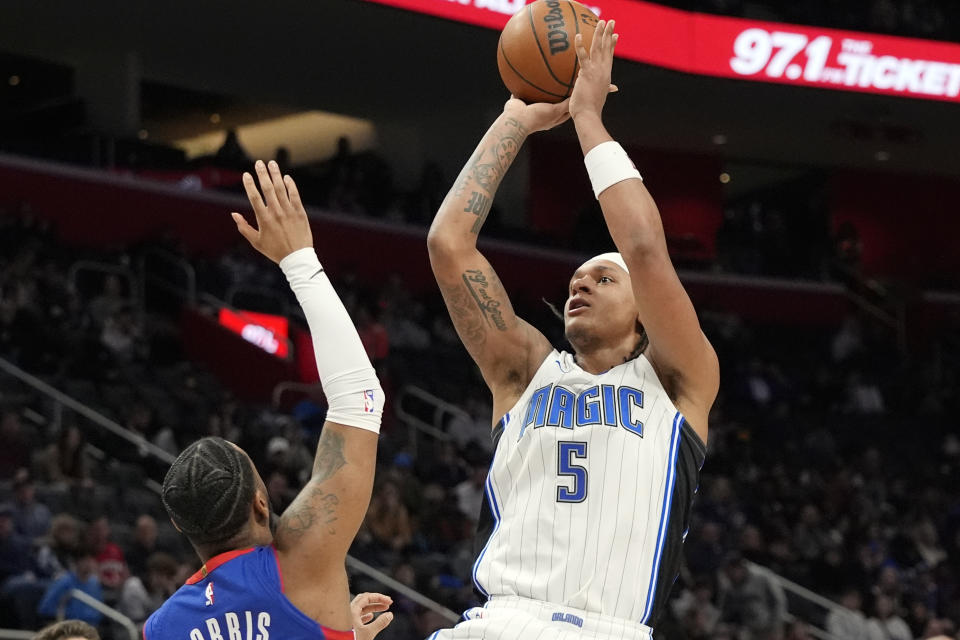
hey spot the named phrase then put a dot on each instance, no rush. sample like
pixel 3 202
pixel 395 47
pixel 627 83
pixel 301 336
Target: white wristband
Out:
pixel 607 164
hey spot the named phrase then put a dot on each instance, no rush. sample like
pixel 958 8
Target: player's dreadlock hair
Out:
pixel 208 491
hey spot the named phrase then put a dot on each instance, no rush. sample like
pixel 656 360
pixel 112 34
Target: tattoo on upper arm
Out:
pixel 489 306
pixel 466 319
pixel 314 504
pixel 329 456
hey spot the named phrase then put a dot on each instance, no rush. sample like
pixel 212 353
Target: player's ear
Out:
pixel 261 506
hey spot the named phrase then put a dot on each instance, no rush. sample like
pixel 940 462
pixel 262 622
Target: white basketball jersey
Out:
pixel 589 493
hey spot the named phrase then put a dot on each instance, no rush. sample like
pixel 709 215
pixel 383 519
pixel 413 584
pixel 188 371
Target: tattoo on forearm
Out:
pixel 466 319
pixel 478 205
pixel 486 168
pixel 489 306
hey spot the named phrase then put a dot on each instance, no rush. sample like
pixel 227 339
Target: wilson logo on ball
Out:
pixel 556 29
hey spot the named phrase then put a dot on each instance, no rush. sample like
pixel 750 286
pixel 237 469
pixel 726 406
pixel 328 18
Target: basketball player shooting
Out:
pixel 282 578
pixel 597 453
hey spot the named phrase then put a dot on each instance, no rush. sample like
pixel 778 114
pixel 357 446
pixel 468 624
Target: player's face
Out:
pixel 600 305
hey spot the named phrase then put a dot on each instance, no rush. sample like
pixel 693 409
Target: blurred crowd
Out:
pixel 832 460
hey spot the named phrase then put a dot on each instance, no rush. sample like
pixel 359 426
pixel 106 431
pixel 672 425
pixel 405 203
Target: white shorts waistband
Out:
pixel 591 624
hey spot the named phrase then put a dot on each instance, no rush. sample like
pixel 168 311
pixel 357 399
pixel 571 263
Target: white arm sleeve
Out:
pixel 354 395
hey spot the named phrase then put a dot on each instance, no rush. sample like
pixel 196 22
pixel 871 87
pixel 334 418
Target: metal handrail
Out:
pixel 795 588
pixel 804 593
pixel 440 407
pixel 401 588
pixel 175 260
pixel 97 418
pixel 16 634
pixel 814 630
pixel 93 603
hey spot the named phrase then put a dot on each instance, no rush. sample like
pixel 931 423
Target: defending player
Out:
pixel 598 453
pixel 284 579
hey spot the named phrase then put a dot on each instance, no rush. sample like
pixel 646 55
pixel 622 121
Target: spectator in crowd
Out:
pixel 470 492
pixel 31 518
pixel 68 630
pixel 109 302
pixel 848 622
pixel 15 552
pixel 388 520
pixel 83 575
pixel 695 611
pixel 65 462
pixel 751 600
pixel 141 597
pixel 144 544
pixel 111 563
pixel 15 452
pixel 58 549
pixel 885 623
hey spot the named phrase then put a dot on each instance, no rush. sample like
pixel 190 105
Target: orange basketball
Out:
pixel 536 55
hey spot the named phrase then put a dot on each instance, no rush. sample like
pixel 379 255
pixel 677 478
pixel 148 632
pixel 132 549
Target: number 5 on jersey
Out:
pixel 577 492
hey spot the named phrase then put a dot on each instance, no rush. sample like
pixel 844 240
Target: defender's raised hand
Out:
pixel 593 81
pixel 282 225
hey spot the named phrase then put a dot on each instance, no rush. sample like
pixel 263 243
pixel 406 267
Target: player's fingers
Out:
pixel 253 195
pixel 604 36
pixel 293 192
pixel 596 46
pixel 376 607
pixel 365 618
pixel 582 55
pixel 614 88
pixel 380 623
pixel 279 188
pixel 364 600
pixel 266 185
pixel 248 232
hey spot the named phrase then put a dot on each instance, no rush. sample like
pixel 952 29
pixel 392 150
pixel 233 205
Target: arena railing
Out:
pixel 809 598
pixel 438 409
pixel 63 400
pixel 16 634
pixel 75 594
pixel 188 290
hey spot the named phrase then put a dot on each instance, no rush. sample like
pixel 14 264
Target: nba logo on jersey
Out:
pixel 368 402
pixel 209 593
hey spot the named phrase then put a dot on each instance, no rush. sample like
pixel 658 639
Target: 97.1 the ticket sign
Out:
pixel 749 49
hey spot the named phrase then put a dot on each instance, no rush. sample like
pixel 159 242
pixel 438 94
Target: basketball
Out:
pixel 536 53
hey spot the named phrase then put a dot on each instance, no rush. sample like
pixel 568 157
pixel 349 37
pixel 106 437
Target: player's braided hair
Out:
pixel 208 491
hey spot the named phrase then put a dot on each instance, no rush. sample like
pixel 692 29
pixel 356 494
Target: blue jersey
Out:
pixel 237 595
